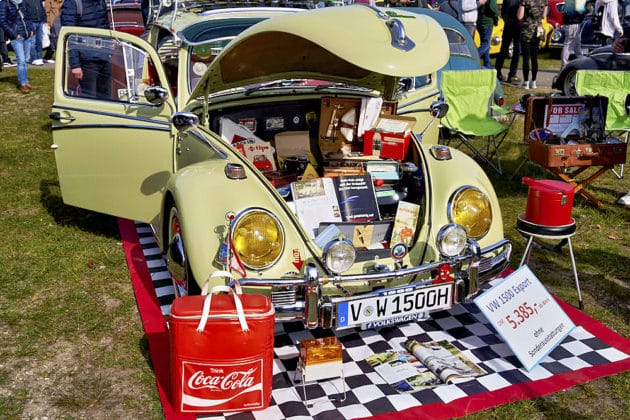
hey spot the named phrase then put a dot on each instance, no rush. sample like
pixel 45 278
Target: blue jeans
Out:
pixel 36 48
pixel 22 48
pixel 485 33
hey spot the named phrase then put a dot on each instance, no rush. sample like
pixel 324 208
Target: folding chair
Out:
pixel 615 85
pixel 469 95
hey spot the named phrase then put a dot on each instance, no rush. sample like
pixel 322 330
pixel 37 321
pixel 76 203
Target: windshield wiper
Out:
pixel 275 83
pixel 331 86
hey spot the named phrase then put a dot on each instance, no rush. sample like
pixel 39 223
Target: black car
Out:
pixel 602 58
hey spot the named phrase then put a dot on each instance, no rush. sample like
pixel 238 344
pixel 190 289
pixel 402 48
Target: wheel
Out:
pixel 568 84
pixel 177 259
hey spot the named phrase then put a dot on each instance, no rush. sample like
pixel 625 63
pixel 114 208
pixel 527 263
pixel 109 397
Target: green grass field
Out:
pixel 73 345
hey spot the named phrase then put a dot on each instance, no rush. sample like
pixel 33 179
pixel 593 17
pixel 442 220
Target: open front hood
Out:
pixel 357 45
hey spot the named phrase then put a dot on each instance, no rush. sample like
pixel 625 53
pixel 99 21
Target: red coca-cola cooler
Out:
pixel 549 202
pixel 221 352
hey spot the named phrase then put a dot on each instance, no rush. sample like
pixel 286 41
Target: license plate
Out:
pixel 401 303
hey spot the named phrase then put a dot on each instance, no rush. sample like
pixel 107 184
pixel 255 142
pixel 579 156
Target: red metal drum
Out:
pixel 221 368
pixel 549 202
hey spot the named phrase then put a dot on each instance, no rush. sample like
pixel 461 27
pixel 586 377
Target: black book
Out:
pixel 357 199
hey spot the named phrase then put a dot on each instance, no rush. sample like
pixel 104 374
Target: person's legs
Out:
pixel 526 54
pixel 90 78
pixel 571 39
pixel 4 52
pixel 19 46
pixel 485 33
pixel 503 52
pixel 516 52
pixel 36 49
pixel 533 53
pixel 104 82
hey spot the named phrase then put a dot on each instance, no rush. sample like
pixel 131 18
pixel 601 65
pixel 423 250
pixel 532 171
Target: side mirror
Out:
pixel 627 104
pixel 184 120
pixel 156 95
pixel 438 109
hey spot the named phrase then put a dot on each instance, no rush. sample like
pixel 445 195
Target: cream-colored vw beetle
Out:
pixel 216 127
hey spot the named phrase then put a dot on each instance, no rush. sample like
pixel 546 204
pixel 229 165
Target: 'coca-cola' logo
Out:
pixel 232 381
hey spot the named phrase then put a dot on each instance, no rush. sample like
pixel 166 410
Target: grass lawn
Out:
pixel 73 345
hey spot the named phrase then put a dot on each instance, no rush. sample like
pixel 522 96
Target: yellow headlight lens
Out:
pixel 471 208
pixel 258 239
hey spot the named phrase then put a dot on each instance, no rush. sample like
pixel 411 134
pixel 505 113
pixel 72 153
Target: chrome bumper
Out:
pixel 475 266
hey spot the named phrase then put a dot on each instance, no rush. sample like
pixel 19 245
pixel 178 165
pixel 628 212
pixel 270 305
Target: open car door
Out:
pixel 113 146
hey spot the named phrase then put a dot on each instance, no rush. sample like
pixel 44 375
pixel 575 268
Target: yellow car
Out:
pixel 173 131
pixel 497 35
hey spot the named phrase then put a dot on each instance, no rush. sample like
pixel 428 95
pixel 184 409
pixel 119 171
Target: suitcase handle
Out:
pixel 222 273
pixel 205 313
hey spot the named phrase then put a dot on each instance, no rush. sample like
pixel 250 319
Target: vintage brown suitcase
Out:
pixel 567 131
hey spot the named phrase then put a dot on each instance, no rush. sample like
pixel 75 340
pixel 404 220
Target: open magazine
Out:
pixel 424 365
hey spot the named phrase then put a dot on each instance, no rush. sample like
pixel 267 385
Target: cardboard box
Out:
pixel 292 143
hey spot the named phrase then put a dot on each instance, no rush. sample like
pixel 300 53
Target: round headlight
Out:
pixel 339 255
pixel 258 238
pixel 471 208
pixel 451 240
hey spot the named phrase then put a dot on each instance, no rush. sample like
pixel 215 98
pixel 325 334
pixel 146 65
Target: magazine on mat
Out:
pixel 423 365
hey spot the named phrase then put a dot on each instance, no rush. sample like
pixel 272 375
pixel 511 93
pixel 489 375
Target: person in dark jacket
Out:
pixel 511 35
pixel 38 17
pixel 15 19
pixel 622 43
pixel 91 68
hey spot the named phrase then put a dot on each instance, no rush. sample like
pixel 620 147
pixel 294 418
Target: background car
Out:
pixel 462 49
pixel 167 157
pixel 601 58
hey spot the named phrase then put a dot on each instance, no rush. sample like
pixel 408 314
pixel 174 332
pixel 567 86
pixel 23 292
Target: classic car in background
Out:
pixel 162 149
pixel 591 36
pixel 462 49
pixel 602 58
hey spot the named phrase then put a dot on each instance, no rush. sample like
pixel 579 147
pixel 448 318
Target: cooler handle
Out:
pixel 222 273
pixel 205 313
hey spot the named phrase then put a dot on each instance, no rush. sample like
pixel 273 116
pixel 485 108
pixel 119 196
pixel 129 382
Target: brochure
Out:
pixel 405 223
pixel 423 365
pixel 315 202
pixel 357 199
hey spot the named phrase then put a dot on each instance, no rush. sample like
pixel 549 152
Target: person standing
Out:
pixel 530 14
pixel 4 52
pixel 572 18
pixel 469 14
pixel 15 20
pixel 38 17
pixel 511 35
pixel 53 8
pixel 611 26
pixel 91 68
pixel 487 17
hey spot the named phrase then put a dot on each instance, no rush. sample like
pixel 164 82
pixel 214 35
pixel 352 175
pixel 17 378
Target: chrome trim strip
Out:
pixel 135 127
pixel 116 115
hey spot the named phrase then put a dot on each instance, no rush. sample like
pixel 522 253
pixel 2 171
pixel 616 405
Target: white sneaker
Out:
pixel 50 61
pixel 10 65
pixel 532 84
pixel 38 62
pixel 524 85
pixel 625 200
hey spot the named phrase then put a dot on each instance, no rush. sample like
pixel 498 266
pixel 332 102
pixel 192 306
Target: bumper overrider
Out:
pixel 302 298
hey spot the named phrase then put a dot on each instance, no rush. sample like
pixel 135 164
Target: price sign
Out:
pixel 526 316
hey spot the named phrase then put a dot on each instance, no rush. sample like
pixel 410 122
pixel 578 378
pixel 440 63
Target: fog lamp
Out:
pixel 339 255
pixel 451 240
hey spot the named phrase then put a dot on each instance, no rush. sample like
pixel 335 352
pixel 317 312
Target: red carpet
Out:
pixel 157 334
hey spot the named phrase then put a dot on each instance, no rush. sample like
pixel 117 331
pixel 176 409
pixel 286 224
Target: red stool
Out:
pixel 548 217
pixel 546 233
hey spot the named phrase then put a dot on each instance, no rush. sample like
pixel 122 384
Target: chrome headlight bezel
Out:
pixel 451 240
pixel 241 218
pixel 481 227
pixel 334 250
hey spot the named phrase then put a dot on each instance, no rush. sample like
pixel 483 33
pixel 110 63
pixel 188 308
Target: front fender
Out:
pixel 203 195
pixel 445 177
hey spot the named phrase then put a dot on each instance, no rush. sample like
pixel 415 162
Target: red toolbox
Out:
pixel 221 352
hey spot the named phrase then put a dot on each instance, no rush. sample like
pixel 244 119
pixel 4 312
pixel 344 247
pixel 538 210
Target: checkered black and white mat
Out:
pixel 367 393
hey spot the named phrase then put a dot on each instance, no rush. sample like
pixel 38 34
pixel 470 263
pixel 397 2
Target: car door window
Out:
pixel 110 69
